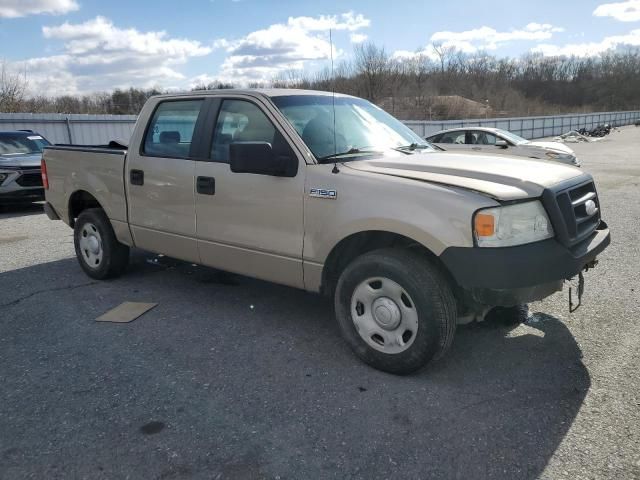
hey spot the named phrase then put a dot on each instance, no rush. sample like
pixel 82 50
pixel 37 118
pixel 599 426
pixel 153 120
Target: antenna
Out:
pixel 333 102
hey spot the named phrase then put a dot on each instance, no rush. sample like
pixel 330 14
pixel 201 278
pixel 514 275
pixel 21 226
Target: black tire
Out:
pixel 426 286
pixel 114 255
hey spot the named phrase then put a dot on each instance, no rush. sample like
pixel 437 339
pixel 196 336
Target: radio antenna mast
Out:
pixel 333 102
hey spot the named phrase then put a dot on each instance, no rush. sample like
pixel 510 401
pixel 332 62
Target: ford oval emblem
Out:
pixel 590 207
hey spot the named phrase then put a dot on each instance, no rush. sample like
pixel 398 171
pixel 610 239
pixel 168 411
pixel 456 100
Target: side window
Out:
pixel 483 138
pixel 170 131
pixel 452 137
pixel 241 121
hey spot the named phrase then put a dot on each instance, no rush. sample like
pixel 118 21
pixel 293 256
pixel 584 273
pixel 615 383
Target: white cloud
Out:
pixel 22 8
pixel 589 49
pixel 628 11
pixel 263 54
pixel 347 21
pixel 487 38
pixel 97 55
pixel 357 37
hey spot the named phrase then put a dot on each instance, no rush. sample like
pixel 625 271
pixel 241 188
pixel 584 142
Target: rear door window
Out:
pixel 479 137
pixel 170 132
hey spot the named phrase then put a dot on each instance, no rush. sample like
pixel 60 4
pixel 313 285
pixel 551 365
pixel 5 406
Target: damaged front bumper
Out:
pixel 510 276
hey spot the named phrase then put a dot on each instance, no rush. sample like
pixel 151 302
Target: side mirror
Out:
pixel 502 143
pixel 259 158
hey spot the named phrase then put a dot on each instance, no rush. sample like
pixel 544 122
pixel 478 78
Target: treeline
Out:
pixel 529 85
pixel 446 84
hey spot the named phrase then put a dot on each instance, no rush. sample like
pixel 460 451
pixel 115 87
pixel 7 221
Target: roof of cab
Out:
pixel 268 92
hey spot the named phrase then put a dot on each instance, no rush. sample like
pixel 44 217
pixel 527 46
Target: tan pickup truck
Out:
pixel 330 194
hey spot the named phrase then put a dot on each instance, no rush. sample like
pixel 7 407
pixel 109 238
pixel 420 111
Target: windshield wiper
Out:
pixel 351 151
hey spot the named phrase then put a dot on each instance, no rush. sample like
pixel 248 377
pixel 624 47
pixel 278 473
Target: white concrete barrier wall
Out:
pixel 100 129
pixel 531 127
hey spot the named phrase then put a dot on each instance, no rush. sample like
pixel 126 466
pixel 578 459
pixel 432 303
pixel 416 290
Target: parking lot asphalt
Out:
pixel 230 377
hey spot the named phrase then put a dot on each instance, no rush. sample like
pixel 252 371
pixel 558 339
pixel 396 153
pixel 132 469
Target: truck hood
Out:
pixel 503 178
pixel 20 161
pixel 553 146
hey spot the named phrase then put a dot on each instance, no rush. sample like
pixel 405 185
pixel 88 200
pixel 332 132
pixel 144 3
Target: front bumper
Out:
pixel 21 195
pixel 22 185
pixel 524 273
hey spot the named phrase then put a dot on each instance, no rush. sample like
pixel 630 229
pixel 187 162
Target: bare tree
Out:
pixel 372 63
pixel 444 54
pixel 13 87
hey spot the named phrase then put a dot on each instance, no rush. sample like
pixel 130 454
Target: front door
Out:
pixel 249 223
pixel 160 181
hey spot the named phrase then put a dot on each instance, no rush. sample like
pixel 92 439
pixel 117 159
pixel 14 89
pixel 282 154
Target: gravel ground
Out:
pixel 230 377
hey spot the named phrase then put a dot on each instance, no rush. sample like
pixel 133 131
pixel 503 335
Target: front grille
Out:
pixel 579 221
pixel 31 179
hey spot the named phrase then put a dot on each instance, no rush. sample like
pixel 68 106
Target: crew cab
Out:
pixel 330 194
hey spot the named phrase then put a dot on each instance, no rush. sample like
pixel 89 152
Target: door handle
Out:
pixel 206 185
pixel 136 177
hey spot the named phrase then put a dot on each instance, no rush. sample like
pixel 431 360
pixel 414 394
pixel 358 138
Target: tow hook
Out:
pixel 573 307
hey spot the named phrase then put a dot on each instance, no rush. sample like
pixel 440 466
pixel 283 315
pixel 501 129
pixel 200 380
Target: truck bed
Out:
pixel 97 170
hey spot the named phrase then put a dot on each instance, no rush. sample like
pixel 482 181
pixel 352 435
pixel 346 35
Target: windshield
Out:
pixel 21 143
pixel 360 126
pixel 512 137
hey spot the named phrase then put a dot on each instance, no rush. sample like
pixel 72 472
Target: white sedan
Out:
pixel 495 140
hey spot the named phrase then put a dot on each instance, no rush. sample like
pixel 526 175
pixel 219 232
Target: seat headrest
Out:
pixel 172 136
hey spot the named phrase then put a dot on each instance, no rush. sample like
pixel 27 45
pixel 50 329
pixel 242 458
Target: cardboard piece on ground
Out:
pixel 126 312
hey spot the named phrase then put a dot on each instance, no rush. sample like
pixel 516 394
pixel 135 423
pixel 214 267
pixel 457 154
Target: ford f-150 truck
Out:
pixel 330 194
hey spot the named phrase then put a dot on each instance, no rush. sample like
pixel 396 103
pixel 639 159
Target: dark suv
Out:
pixel 20 154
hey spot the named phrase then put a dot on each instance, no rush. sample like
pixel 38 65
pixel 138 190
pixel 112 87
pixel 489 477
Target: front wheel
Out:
pixel 100 254
pixel 396 310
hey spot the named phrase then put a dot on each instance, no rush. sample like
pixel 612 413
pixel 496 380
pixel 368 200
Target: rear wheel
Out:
pixel 396 310
pixel 100 254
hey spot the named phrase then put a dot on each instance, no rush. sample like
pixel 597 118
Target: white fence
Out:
pixel 74 129
pixel 100 129
pixel 531 127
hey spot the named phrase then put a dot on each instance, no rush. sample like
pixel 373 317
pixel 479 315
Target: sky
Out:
pixel 84 46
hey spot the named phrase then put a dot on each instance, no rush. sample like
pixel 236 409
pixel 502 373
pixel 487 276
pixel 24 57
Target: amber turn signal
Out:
pixel 485 225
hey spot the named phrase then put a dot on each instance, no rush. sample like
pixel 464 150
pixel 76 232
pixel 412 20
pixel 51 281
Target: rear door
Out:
pixel 249 223
pixel 160 179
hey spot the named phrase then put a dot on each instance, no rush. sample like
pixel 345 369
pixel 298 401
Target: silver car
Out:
pixel 498 141
pixel 20 155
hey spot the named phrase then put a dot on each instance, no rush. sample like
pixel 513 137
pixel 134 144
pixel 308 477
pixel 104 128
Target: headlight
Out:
pixel 3 177
pixel 512 225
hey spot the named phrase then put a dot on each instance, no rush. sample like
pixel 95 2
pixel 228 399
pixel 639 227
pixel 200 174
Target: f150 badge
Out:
pixel 323 193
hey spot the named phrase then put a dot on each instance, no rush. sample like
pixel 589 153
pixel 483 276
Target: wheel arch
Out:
pixel 359 243
pixel 79 201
